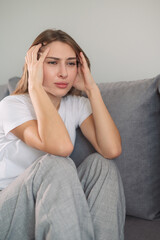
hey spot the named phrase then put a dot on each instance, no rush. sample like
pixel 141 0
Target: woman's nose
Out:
pixel 62 71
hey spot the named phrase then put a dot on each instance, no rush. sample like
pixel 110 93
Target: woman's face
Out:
pixel 60 69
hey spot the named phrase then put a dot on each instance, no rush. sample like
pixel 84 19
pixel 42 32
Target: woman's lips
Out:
pixel 61 85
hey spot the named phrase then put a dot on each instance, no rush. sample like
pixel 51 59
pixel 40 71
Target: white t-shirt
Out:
pixel 15 155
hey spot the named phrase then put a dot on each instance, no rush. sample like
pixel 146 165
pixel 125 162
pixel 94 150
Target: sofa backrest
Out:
pixel 135 108
pixel 3 91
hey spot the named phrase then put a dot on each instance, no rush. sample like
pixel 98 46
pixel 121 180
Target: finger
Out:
pixel 80 59
pixel 26 61
pixel 32 53
pixel 83 59
pixel 44 54
pixel 29 55
pixel 35 52
pixel 84 67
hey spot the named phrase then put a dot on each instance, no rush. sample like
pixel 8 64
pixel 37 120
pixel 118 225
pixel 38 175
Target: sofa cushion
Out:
pixel 135 108
pixel 12 83
pixel 140 229
pixel 3 91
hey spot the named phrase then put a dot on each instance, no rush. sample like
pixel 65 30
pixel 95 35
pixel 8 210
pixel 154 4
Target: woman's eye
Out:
pixel 52 62
pixel 71 63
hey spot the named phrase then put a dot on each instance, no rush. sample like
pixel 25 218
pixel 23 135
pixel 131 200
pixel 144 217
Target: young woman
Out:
pixel 43 195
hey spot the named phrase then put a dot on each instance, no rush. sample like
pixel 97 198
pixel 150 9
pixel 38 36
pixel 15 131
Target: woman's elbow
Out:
pixel 113 153
pixel 59 149
pixel 65 150
pixel 116 153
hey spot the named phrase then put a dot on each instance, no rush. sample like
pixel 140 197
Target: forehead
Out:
pixel 60 50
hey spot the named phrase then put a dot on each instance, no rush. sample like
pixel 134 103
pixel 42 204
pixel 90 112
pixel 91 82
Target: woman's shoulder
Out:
pixel 16 98
pixel 15 102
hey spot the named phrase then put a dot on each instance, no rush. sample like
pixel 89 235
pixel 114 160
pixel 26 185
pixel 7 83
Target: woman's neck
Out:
pixel 55 100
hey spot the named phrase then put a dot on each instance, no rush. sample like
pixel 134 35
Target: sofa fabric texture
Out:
pixel 3 91
pixel 140 229
pixel 135 108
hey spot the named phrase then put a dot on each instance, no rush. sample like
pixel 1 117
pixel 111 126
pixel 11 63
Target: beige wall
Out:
pixel 121 37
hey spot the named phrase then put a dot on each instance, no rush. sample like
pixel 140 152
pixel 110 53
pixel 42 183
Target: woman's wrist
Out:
pixel 93 91
pixel 35 87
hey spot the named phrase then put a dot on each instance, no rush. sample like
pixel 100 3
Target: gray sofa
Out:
pixel 135 108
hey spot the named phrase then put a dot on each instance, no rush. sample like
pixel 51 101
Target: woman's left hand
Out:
pixel 84 80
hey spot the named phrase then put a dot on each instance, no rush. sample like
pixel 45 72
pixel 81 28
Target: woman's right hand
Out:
pixel 35 65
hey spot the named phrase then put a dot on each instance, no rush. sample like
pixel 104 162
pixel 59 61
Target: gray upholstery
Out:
pixel 3 91
pixel 12 83
pixel 135 107
pixel 140 229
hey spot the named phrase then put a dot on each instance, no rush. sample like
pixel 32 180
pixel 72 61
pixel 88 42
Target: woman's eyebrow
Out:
pixel 70 58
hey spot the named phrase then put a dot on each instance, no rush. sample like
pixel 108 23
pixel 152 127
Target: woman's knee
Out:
pixel 109 166
pixel 109 171
pixel 56 164
pixel 99 161
pixel 95 164
pixel 95 161
pixel 50 168
pixel 53 171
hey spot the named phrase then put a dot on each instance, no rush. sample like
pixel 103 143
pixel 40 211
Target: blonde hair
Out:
pixel 45 38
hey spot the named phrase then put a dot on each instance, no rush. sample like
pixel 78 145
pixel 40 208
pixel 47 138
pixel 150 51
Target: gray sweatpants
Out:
pixel 55 201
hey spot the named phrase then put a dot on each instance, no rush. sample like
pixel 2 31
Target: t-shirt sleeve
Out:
pixel 14 112
pixel 85 109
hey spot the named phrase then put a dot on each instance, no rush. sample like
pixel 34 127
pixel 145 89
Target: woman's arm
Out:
pixel 98 128
pixel 48 133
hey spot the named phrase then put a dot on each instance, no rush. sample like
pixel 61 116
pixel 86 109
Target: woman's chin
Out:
pixel 59 92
